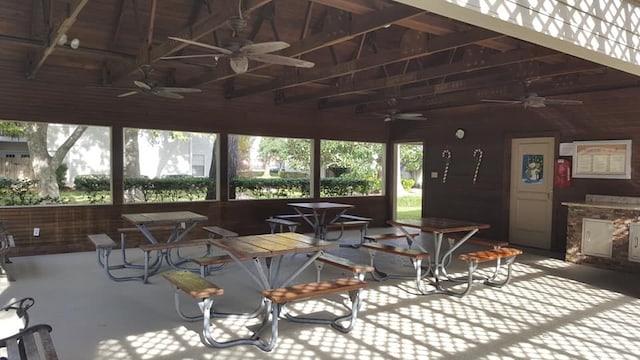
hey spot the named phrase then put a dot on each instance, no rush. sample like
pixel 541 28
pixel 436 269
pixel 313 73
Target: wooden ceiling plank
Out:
pixel 353 27
pixel 466 65
pixel 442 43
pixel 53 42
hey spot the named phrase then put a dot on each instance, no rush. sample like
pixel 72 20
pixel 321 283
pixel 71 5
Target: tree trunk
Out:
pixel 132 154
pixel 132 164
pixel 213 173
pixel 44 164
pixel 233 163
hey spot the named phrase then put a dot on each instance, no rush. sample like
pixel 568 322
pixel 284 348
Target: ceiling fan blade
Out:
pixel 405 117
pixel 192 56
pixel 562 102
pixel 264 47
pixel 178 89
pixel 206 46
pixel 280 60
pixel 142 85
pixel 167 94
pixel 502 101
pixel 129 93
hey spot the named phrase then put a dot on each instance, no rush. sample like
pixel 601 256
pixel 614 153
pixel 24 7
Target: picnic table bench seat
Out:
pixel 281 296
pixel 477 257
pixel 390 235
pixel 358 270
pixel 416 257
pixel 204 291
pixel 348 221
pixel 219 231
pixel 206 262
pixel 104 244
pixel 278 223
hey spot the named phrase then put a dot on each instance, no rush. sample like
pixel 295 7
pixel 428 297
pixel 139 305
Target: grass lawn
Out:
pixel 409 206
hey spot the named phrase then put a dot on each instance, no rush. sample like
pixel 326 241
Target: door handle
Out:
pixel 636 241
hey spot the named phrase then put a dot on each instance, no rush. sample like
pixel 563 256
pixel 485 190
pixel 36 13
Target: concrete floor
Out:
pixel 550 310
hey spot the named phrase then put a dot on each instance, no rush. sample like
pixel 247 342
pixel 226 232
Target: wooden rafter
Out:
pixel 53 41
pixel 464 66
pixel 442 43
pixel 349 28
pixel 152 22
pixel 510 74
pixel 307 20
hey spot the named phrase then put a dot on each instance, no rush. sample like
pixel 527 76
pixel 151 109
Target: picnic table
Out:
pixel 439 227
pixel 266 252
pixel 322 214
pixel 182 221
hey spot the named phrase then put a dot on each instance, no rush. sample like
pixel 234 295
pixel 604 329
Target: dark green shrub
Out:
pixel 61 175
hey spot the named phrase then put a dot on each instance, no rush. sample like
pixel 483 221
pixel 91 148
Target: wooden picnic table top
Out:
pixel 269 245
pixel 439 225
pixel 165 217
pixel 323 205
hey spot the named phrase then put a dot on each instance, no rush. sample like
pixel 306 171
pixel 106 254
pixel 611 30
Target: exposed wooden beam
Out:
pixel 419 48
pixel 82 51
pixel 349 28
pixel 53 41
pixel 471 63
pixel 307 20
pixel 584 84
pixel 509 75
pixel 152 22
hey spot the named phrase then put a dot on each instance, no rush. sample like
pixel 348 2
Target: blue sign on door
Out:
pixel 532 169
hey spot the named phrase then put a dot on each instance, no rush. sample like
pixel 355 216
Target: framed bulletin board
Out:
pixel 610 159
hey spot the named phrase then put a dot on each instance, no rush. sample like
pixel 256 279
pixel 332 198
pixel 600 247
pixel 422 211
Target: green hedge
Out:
pixel 185 188
pixel 270 188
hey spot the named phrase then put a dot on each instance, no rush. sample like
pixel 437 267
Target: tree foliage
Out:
pixel 295 153
pixel 411 158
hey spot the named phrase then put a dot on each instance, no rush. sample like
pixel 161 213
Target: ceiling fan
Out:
pixel 533 100
pixel 393 115
pixel 149 86
pixel 240 50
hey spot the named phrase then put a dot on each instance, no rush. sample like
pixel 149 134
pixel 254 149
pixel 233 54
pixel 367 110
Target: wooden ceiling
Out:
pixel 369 55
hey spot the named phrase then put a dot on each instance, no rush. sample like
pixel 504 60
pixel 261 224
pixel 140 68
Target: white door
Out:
pixel 531 196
